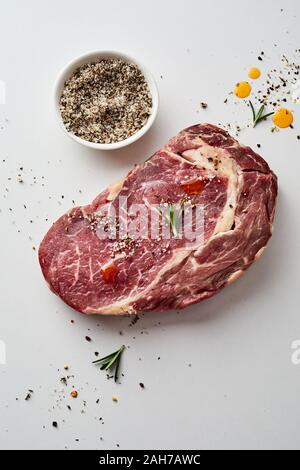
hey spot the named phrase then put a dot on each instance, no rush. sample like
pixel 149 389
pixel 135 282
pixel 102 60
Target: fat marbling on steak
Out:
pixel 203 165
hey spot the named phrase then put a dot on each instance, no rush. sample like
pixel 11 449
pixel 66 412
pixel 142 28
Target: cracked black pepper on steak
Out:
pixel 106 101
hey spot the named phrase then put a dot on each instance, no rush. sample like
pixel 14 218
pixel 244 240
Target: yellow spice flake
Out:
pixel 254 73
pixel 283 118
pixel 242 89
pixel 114 398
pixel 74 394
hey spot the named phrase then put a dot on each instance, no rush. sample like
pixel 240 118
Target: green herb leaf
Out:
pixel 112 361
pixel 266 115
pixel 173 221
pixel 253 111
pixel 260 111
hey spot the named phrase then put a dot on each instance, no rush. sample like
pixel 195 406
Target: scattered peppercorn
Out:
pixel 64 380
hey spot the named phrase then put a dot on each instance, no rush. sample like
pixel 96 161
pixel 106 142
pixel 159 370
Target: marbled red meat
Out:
pixel 234 186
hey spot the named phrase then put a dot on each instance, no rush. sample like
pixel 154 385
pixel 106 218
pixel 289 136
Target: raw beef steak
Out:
pixel 95 267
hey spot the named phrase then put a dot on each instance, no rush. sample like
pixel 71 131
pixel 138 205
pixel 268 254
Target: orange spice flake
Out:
pixel 110 273
pixel 194 187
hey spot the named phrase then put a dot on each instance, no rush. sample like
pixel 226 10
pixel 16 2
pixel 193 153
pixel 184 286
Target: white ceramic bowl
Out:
pixel 92 57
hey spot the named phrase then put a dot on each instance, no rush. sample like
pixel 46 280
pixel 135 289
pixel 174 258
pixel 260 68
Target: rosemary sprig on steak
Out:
pixel 112 361
pixel 174 217
pixel 258 116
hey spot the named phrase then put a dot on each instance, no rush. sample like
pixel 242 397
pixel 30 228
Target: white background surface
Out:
pixel 241 390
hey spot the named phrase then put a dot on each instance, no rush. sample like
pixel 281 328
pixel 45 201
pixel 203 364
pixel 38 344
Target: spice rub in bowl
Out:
pixel 106 100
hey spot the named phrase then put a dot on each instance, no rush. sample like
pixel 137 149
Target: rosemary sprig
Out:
pixel 111 361
pixel 174 217
pixel 259 116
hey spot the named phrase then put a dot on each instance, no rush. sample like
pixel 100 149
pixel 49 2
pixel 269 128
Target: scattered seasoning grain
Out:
pixel 64 380
pixel 74 394
pixel 114 398
pixel 88 338
pixel 141 385
pixel 54 424
pixel 106 101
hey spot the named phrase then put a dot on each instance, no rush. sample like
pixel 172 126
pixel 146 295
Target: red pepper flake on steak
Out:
pixel 156 274
pixel 110 273
pixel 194 187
